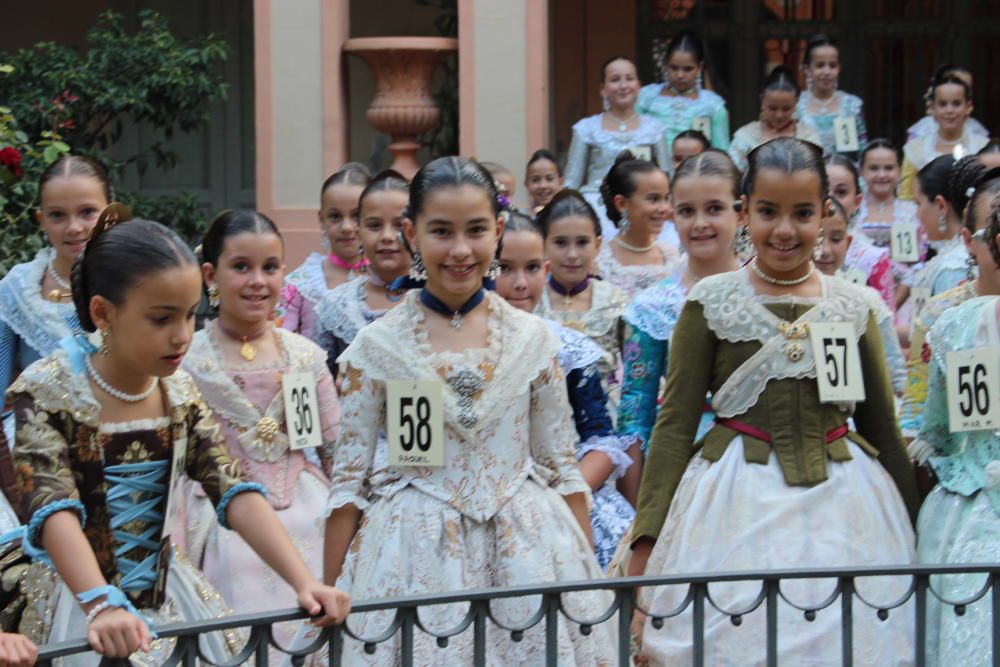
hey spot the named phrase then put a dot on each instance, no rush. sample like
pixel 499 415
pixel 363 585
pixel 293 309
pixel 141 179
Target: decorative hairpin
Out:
pixel 113 214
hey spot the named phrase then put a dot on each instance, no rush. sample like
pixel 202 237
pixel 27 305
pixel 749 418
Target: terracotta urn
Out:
pixel 403 106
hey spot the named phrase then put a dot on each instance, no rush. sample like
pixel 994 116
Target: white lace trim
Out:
pixel 951 257
pixel 655 310
pixel 396 347
pixel 736 313
pixel 577 351
pixel 228 401
pixel 309 278
pixel 150 424
pixel 344 311
pixel 607 303
pixel 634 278
pixel 39 322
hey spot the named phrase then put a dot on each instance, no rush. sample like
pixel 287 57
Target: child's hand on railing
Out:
pixel 16 651
pixel 334 603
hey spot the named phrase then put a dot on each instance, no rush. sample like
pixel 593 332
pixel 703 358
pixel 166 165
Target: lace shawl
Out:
pixel 655 310
pixel 309 278
pixel 231 404
pixel 39 322
pixel 344 311
pixel 633 278
pixel 736 313
pixel 593 149
pixel 951 257
pixel 396 347
pixel 576 351
pixel 922 150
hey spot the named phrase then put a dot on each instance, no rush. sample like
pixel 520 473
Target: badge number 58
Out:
pixel 415 423
pixel 838 362
pixel 973 383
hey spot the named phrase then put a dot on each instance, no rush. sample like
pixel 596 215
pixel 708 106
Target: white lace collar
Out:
pixel 39 322
pixel 607 303
pixel 309 278
pixel 396 347
pixel 736 313
pixel 344 311
pixel 262 435
pixel 577 351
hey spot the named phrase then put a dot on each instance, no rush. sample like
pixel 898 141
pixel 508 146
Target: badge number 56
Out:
pixel 973 383
pixel 415 423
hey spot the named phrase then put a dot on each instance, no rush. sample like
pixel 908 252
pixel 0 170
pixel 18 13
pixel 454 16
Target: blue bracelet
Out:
pixel 115 598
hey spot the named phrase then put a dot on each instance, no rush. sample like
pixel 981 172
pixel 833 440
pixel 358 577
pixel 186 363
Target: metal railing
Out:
pixel 551 611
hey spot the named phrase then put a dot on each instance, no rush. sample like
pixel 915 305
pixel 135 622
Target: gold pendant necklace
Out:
pixel 248 351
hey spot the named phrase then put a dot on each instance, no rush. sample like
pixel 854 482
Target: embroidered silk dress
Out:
pixel 927 126
pixel 66 459
pixel 592 153
pixel 632 279
pixel 678 113
pixel 602 324
pixel 340 315
pixel 751 135
pixel 911 415
pixel 960 519
pixel 493 515
pixel 304 288
pixel 248 403
pixel 874 263
pixel 815 496
pixel 849 107
pixel 611 514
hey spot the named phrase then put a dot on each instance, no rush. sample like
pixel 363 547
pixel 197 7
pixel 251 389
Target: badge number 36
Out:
pixel 415 423
pixel 301 410
pixel 838 363
pixel 973 382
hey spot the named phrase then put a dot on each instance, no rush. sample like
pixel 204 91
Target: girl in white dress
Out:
pixel 506 504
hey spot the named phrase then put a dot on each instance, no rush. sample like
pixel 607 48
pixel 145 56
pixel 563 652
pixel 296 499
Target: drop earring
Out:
pixel 818 248
pixel 213 296
pixel 417 269
pixel 741 242
pixel 325 243
pixel 494 271
pixel 105 350
pixel 605 103
pixel 624 223
pixel 942 223
pixel 699 81
pixel 970 267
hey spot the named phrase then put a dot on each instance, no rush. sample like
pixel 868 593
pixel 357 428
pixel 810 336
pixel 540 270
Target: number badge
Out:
pixel 838 362
pixel 904 242
pixel 973 382
pixel 301 410
pixel 919 296
pixel 704 125
pixel 845 135
pixel 415 423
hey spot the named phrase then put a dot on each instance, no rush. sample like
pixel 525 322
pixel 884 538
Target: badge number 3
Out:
pixel 973 389
pixel 838 363
pixel 415 423
pixel 301 410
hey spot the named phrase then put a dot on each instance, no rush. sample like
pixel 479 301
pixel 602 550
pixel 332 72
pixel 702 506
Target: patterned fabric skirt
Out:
pixel 954 529
pixel 731 515
pixel 413 544
pixel 54 615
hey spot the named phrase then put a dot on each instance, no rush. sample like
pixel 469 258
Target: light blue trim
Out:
pixel 39 518
pixel 137 491
pixel 116 598
pixel 223 506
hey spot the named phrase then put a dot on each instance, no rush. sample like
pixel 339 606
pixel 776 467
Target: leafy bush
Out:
pixel 56 100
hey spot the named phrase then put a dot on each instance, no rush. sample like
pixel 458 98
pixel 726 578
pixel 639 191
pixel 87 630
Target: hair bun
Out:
pixel 625 156
pixel 113 214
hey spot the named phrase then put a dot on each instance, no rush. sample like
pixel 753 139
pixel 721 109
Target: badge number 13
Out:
pixel 415 423
pixel 973 382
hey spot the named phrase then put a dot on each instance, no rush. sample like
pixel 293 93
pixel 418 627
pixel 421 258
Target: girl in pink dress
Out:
pixel 239 362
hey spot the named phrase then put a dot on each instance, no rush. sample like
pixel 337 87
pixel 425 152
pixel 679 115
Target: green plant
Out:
pixel 58 100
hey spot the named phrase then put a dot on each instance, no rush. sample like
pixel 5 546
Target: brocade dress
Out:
pixel 340 315
pixel 304 288
pixel 959 521
pixel 678 113
pixel 815 496
pixel 751 135
pixel 849 107
pixel 115 477
pixel 248 403
pixel 493 515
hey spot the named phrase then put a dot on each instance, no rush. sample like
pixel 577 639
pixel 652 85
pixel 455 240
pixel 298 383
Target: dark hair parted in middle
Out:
pixel 838 160
pixel 544 154
pixel 385 180
pixel 449 172
pixel 933 178
pixel 117 258
pixel 229 223
pixel 352 173
pixel 787 155
pixel 566 203
pixel 620 180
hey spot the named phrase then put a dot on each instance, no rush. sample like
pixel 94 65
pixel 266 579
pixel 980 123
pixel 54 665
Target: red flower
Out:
pixel 925 353
pixel 10 157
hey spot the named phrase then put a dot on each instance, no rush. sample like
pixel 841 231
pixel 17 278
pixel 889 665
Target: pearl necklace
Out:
pixel 622 124
pixel 777 281
pixel 634 248
pixel 64 287
pixel 116 393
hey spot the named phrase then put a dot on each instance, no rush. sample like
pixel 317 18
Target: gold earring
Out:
pixel 105 350
pixel 213 296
